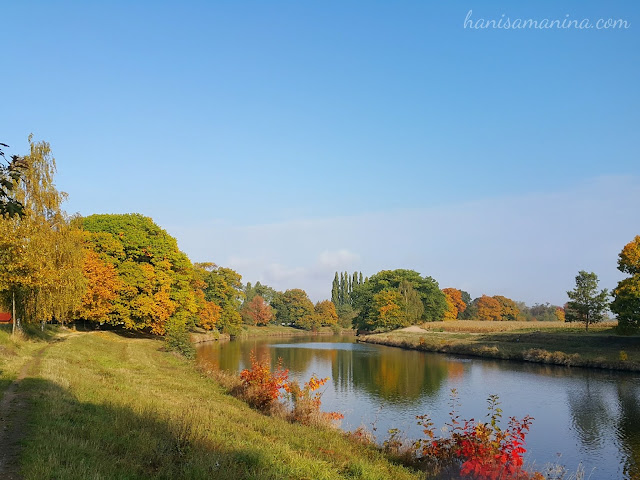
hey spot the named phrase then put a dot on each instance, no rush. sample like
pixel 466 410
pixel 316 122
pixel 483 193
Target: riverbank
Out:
pixel 549 344
pixel 105 405
pixel 202 336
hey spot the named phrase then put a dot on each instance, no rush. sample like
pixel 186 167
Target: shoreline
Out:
pixel 484 346
pixel 264 332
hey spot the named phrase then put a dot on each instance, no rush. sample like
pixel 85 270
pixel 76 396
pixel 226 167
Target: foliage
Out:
pixel 294 307
pixel 306 403
pixel 11 172
pixel 41 255
pixel 587 305
pixel 368 312
pixel 343 286
pixel 346 315
pixel 178 339
pixel 387 312
pixel 224 288
pixel 261 384
pixel 509 311
pixel 455 303
pixel 257 311
pixel 102 288
pixel 481 450
pixel 155 276
pixel 264 291
pixel 326 312
pixel 489 309
pixel 626 295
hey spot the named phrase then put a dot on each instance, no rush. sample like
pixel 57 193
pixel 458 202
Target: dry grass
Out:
pixel 477 326
pixel 541 342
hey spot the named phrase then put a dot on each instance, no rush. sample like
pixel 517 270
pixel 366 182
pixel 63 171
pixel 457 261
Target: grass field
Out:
pixel 477 326
pixel 105 406
pixel 544 342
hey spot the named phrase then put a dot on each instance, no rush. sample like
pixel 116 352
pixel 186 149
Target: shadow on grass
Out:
pixel 70 439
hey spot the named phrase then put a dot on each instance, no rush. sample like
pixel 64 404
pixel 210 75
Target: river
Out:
pixel 582 417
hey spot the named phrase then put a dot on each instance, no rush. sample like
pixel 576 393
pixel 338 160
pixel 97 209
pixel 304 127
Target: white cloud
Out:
pixel 337 260
pixel 527 247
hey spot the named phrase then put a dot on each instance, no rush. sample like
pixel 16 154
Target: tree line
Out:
pixel 119 270
pixel 125 270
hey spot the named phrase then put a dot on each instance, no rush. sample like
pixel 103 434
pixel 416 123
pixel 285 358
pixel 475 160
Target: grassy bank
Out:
pixel 248 331
pixel 18 350
pixel 108 406
pixel 543 342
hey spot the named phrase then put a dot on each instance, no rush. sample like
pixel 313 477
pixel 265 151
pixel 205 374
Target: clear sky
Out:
pixel 290 139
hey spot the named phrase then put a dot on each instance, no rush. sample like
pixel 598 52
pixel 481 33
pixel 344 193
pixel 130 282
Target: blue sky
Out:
pixel 290 139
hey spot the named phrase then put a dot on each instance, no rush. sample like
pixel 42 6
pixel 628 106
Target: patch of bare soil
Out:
pixel 13 419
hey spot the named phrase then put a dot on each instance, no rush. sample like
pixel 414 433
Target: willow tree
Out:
pixel 41 271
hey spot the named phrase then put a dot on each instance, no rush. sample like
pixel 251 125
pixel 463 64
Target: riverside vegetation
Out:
pixel 137 411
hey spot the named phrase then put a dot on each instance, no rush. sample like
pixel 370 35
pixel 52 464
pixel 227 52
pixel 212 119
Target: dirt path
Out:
pixel 13 419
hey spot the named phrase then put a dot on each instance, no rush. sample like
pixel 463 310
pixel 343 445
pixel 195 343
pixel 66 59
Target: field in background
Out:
pixel 477 326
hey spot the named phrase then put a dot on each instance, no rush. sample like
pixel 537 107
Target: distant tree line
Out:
pixel 124 270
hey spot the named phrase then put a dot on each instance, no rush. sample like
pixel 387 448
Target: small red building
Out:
pixel 5 317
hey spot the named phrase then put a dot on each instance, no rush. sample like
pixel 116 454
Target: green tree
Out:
pixel 156 278
pixel 224 288
pixel 335 291
pixel 432 298
pixel 387 312
pixel 626 295
pixel 299 309
pixel 411 302
pixel 586 304
pixel 11 173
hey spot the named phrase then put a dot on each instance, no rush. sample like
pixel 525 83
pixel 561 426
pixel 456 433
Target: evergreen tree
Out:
pixel 335 287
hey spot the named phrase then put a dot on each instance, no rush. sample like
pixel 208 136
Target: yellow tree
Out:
pixel 102 289
pixel 489 308
pixel 455 304
pixel 326 311
pixel 509 311
pixel 626 295
pixel 43 269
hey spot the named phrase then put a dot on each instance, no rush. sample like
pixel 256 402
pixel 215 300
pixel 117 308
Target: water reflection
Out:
pixel 591 417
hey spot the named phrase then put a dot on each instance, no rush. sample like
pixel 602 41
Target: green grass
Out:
pixel 17 350
pixel 110 407
pixel 598 348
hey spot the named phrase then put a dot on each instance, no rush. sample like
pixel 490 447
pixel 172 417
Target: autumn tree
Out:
pixel 489 308
pixel 560 315
pixel 42 257
pixel 431 297
pixel 387 312
pixel 586 304
pixel 224 288
pixel 156 278
pixel 509 311
pixel 257 311
pixel 455 303
pixel 326 312
pixel 102 289
pixel 626 295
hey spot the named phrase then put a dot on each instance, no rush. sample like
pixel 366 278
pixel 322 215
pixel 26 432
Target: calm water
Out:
pixel 581 416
